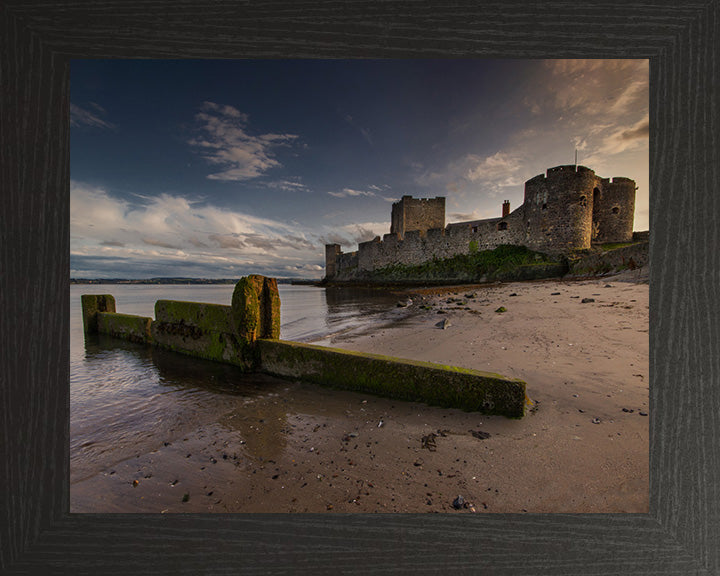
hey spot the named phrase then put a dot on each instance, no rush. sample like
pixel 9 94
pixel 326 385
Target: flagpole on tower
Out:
pixel 575 157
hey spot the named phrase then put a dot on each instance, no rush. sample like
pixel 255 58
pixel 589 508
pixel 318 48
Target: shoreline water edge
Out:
pixel 581 345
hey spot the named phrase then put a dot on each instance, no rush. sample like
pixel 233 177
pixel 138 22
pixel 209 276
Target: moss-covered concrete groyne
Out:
pixel 246 334
pixel 435 384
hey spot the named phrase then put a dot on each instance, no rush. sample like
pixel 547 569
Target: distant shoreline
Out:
pixel 300 281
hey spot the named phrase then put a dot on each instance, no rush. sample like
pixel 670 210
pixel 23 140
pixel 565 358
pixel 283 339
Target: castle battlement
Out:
pixel 566 208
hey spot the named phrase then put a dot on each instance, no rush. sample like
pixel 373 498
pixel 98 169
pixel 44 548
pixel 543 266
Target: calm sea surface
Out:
pixel 124 396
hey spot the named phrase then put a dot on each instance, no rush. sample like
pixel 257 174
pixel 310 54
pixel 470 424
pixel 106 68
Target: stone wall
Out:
pixel 558 209
pixel 603 261
pixel 614 211
pixel 568 208
pixel 418 247
pixel 332 252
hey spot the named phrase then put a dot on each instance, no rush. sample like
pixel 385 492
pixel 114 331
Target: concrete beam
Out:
pixel 434 384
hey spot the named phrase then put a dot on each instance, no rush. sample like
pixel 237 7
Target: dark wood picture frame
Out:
pixel 681 533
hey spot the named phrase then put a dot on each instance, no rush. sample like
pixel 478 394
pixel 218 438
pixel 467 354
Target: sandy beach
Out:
pixel 581 346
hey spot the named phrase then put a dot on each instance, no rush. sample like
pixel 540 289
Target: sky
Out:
pixel 223 168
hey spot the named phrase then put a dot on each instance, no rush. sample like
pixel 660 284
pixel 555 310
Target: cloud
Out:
pixel 173 232
pixel 365 133
pixel 620 140
pixel 640 131
pixel 498 166
pixel 350 235
pixel 372 193
pixel 288 185
pixel 227 240
pixel 224 141
pixel 317 269
pixel 298 242
pixel 348 192
pixel 592 88
pixel 80 117
pixel 155 242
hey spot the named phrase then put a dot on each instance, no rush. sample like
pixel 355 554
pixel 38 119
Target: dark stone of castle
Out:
pixel 568 208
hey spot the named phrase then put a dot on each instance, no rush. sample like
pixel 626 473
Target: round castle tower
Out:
pixel 570 208
pixel 558 209
pixel 613 210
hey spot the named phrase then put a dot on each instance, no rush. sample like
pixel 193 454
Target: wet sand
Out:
pixel 301 448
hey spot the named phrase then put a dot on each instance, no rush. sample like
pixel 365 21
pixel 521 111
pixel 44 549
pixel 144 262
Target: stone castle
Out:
pixel 568 208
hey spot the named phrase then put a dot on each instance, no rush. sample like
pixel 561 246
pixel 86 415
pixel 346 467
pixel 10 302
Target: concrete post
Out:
pixel 91 305
pixel 256 308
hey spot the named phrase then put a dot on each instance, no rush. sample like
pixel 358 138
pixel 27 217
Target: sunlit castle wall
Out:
pixel 614 210
pixel 423 214
pixel 559 209
pixel 567 208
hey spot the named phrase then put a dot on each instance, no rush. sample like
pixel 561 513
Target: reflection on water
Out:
pixel 127 399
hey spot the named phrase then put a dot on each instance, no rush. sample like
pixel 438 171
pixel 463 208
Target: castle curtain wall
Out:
pixel 566 209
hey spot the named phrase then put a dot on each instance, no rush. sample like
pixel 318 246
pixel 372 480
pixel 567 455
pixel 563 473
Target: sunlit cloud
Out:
pixel 595 88
pixel 499 166
pixel 169 229
pixel 620 140
pixel 224 141
pixel 348 192
pixel 349 235
pixel 373 192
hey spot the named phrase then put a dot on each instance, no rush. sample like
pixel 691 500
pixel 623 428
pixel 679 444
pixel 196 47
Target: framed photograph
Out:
pixel 129 133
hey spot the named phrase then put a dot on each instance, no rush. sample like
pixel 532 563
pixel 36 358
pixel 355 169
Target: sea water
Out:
pixel 124 397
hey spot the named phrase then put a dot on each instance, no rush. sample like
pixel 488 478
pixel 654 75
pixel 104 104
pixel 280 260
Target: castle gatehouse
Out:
pixel 568 208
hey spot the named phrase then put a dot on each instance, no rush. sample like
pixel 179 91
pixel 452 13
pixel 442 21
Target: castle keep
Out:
pixel 567 208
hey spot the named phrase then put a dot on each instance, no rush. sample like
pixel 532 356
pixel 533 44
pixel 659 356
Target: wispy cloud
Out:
pixel 80 117
pixel 498 167
pixel 347 192
pixel 373 191
pixel 618 141
pixel 225 141
pixel 365 133
pixel 293 185
pixel 593 88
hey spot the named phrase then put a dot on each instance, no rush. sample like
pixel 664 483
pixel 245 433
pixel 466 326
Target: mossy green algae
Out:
pixel 201 330
pixel 91 305
pixel 206 317
pixel 435 384
pixel 125 326
pixel 256 308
